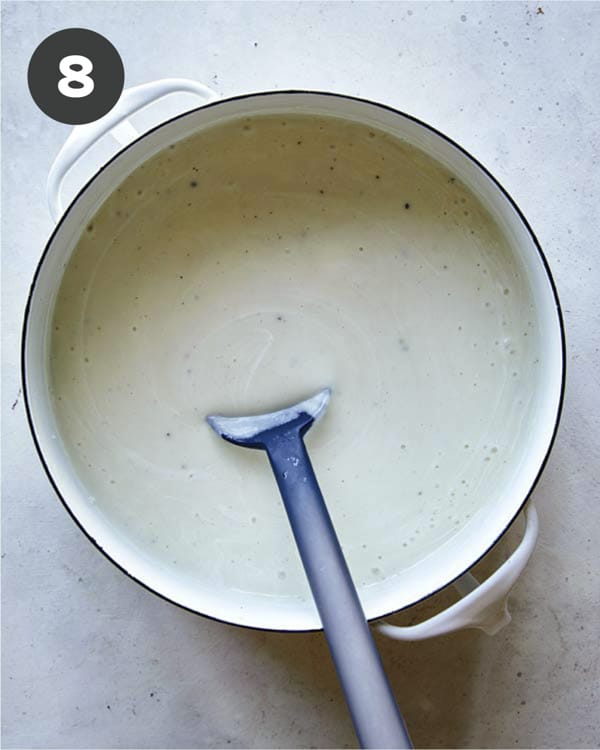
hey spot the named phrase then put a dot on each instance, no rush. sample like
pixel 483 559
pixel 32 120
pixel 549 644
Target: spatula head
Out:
pixel 252 431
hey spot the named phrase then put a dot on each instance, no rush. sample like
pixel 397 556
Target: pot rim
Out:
pixel 243 97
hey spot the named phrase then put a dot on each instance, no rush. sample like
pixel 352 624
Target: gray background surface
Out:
pixel 90 659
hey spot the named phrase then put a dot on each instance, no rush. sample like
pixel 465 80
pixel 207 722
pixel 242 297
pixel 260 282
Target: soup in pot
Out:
pixel 246 268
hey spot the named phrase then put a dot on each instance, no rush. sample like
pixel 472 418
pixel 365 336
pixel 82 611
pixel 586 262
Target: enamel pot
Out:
pixel 502 499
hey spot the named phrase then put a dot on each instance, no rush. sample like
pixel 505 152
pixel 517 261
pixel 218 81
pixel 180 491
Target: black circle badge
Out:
pixel 75 76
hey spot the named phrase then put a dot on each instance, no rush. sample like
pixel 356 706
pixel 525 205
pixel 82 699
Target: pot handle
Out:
pixel 82 137
pixel 483 605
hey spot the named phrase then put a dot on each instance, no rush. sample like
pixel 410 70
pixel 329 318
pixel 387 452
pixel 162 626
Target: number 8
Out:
pixel 80 76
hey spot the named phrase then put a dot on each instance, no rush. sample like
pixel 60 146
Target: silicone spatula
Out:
pixel 377 720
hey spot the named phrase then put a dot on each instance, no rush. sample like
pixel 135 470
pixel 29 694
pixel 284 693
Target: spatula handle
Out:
pixel 377 720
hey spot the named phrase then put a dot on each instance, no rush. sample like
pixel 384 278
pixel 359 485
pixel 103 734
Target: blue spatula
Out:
pixel 377 720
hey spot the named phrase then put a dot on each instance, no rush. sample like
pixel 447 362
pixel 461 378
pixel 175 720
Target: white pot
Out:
pixel 483 605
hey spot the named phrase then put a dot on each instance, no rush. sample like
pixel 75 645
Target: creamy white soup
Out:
pixel 250 266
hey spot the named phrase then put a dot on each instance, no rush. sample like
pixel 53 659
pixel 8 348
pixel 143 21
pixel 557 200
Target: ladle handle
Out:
pixel 377 720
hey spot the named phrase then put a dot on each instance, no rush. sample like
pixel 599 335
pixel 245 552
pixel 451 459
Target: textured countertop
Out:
pixel 91 660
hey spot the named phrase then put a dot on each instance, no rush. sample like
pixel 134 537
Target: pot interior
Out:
pixel 244 257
